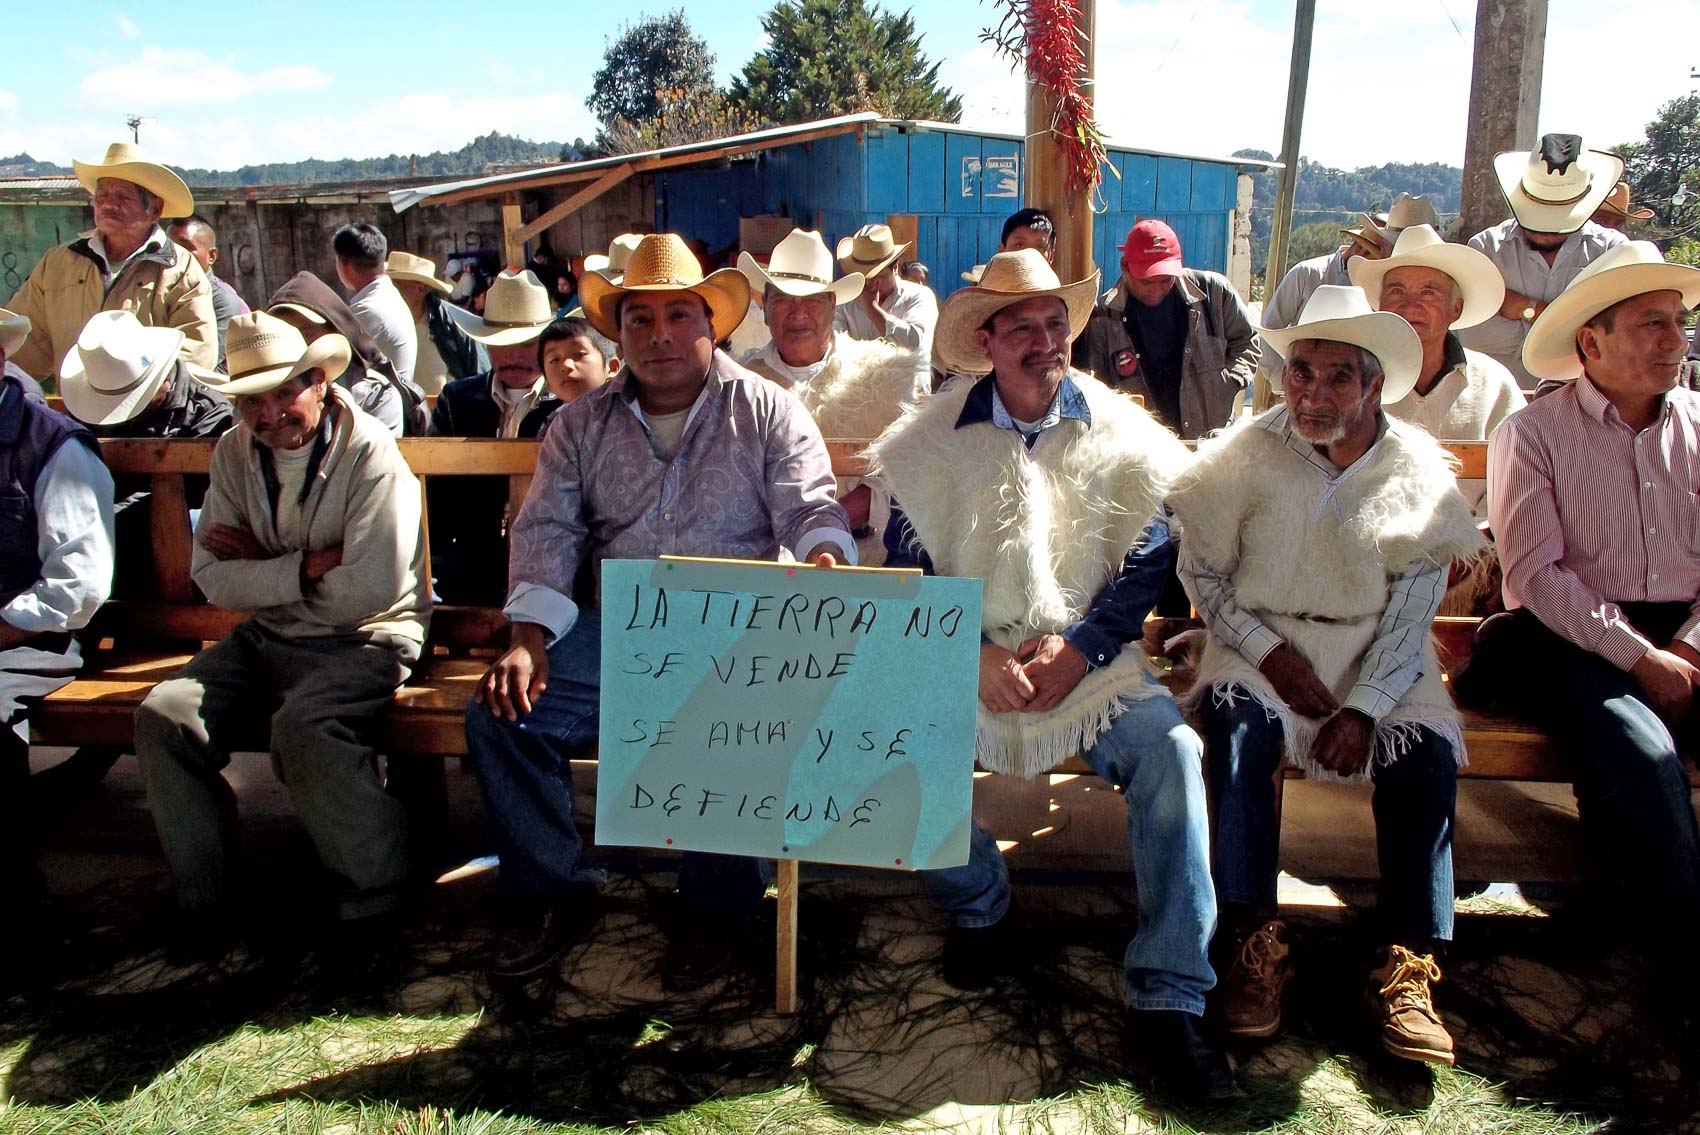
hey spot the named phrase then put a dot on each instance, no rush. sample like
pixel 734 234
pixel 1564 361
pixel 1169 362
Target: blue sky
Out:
pixel 226 84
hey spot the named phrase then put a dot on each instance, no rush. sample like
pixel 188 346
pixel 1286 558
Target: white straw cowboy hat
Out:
pixel 620 250
pixel 1342 314
pixel 117 367
pixel 1421 247
pixel 127 163
pixel 870 251
pixel 1556 187
pixel 516 310
pixel 1406 212
pixel 1622 272
pixel 800 265
pixel 1617 201
pixel 1010 277
pixel 14 329
pixel 406 268
pixel 263 352
pixel 663 263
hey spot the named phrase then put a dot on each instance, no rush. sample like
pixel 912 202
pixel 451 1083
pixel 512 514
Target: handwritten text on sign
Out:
pixel 788 712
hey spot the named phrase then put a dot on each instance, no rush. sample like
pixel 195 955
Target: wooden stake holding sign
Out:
pixel 788 712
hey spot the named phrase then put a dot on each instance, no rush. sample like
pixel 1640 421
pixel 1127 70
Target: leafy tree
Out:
pixel 1664 171
pixel 657 62
pixel 832 57
pixel 679 121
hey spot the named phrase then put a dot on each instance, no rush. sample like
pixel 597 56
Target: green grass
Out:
pixel 881 1045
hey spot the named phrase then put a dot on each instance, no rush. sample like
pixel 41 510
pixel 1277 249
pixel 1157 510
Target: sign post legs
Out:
pixel 785 962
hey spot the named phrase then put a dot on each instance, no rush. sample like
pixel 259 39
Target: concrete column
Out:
pixel 1505 101
pixel 1239 240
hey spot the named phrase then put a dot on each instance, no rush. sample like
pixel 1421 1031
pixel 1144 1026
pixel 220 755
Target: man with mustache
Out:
pixel 1316 540
pixel 469 547
pixel 312 526
pixel 1049 487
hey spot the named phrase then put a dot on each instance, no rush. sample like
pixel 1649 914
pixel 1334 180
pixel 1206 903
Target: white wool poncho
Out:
pixel 1313 558
pixel 1046 530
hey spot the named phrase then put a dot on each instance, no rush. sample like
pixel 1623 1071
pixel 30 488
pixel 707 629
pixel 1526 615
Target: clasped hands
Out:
pixel 1033 678
pixel 1343 743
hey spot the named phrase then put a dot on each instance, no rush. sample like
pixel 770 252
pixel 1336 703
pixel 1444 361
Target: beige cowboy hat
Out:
pixel 516 310
pixel 1556 187
pixel 1617 201
pixel 126 162
pixel 14 329
pixel 117 367
pixel 972 276
pixel 406 268
pixel 620 250
pixel 1405 212
pixel 800 265
pixel 1364 239
pixel 870 251
pixel 1342 314
pixel 1421 247
pixel 1622 272
pixel 1010 277
pixel 663 263
pixel 263 352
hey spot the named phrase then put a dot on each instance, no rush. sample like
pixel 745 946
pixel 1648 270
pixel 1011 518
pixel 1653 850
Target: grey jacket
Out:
pixel 1221 351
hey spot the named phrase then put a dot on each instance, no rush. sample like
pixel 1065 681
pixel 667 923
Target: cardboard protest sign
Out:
pixel 785 711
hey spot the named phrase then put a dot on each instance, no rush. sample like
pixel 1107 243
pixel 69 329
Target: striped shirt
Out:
pixel 1393 662
pixel 1589 513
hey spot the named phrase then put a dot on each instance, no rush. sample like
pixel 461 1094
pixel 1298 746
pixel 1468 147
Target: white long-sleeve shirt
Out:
pixel 73 508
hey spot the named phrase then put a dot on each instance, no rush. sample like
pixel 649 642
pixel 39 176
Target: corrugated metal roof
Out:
pixel 31 184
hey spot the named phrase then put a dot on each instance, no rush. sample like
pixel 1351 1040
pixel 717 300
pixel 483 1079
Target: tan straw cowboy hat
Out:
pixel 1342 314
pixel 1617 201
pixel 1010 277
pixel 14 329
pixel 116 367
pixel 1556 187
pixel 1622 272
pixel 516 310
pixel 871 251
pixel 126 162
pixel 1421 247
pixel 263 352
pixel 1406 212
pixel 620 250
pixel 406 268
pixel 800 265
pixel 663 263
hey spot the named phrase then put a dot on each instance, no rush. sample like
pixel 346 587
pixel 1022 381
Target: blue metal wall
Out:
pixel 959 187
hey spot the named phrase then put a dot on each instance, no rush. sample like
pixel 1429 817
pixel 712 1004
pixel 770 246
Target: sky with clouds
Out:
pixel 225 85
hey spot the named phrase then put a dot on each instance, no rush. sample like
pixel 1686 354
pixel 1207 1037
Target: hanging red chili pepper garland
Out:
pixel 1044 37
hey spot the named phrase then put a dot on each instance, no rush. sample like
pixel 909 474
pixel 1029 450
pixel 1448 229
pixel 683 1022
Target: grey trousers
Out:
pixel 333 693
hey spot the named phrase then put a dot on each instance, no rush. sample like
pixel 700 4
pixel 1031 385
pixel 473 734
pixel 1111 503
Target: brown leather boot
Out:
pixel 1250 997
pixel 1403 1004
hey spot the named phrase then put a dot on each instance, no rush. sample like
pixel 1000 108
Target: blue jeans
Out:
pixel 1155 758
pixel 527 786
pixel 1413 805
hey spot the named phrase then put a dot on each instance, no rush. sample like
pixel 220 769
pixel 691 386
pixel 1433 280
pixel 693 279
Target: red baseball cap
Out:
pixel 1151 249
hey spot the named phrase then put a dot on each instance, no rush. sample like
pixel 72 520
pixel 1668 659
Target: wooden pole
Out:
pixel 1298 77
pixel 785 960
pixel 1045 181
pixel 513 248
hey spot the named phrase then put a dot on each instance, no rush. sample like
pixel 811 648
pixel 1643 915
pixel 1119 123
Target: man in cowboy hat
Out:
pixel 196 234
pixel 1315 541
pixel 1591 493
pixel 312 526
pixel 1553 190
pixel 1047 460
pixel 888 307
pixel 445 351
pixel 1614 212
pixel 55 571
pixel 128 263
pixel 683 451
pixel 852 388
pixel 361 250
pixel 14 329
pixel 469 548
pixel 1440 289
pixel 1371 238
pixel 1180 337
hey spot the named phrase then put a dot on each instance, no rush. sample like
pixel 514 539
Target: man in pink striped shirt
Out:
pixel 1592 494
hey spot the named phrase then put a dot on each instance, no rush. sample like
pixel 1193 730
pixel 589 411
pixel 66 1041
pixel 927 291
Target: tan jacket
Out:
pixel 163 287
